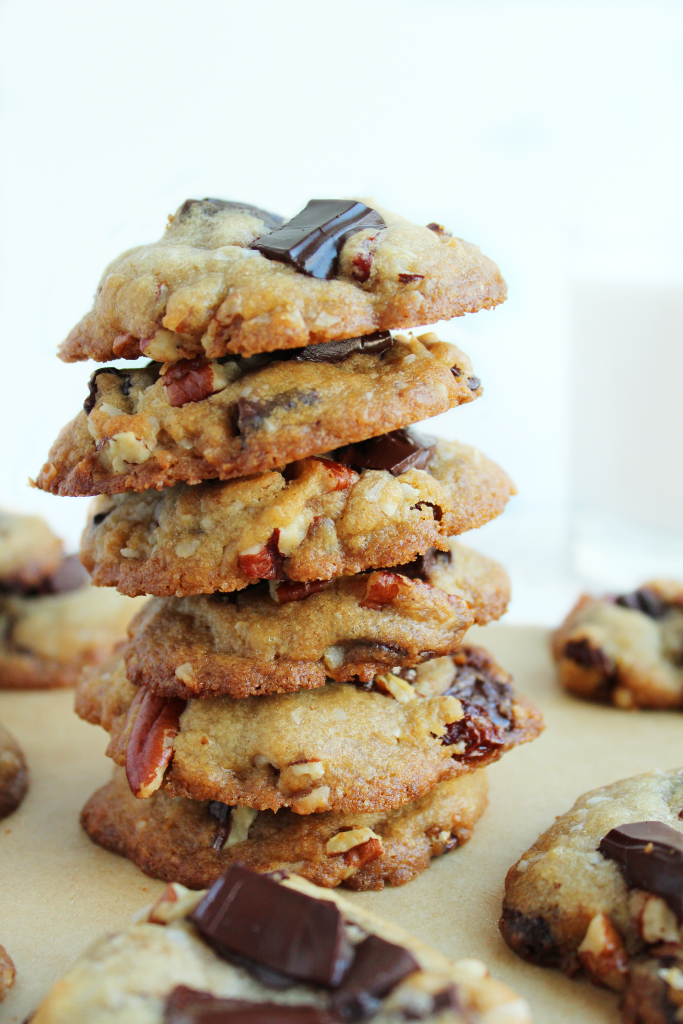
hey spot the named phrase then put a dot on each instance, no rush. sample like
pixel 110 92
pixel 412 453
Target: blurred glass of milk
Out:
pixel 626 402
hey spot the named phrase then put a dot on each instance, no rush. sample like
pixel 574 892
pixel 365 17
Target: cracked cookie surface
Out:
pixel 144 428
pixel 201 289
pixel 135 974
pixel 626 650
pixel 274 637
pixel 192 540
pixel 13 776
pixel 567 905
pixel 339 747
pixel 177 839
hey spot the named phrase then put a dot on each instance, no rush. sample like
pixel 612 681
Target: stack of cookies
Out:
pixel 296 694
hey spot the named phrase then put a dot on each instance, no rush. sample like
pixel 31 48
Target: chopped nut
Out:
pixel 657 921
pixel 313 769
pixel 264 562
pixel 186 548
pixel 174 903
pixel 125 448
pixel 185 673
pixel 397 687
pixel 316 800
pixel 381 589
pixel 344 841
pixel 334 657
pixel 241 820
pixel 602 954
pixel 296 777
pixel 164 346
pixel 358 856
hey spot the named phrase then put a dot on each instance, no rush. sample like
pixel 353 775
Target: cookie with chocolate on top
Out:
pixel 265 948
pixel 315 519
pixel 203 419
pixel 277 636
pixel 340 747
pixel 602 891
pixel 625 650
pixel 227 277
pixel 13 776
pixel 193 841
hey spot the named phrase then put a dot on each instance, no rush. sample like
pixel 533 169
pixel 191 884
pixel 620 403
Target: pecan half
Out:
pixel 381 589
pixel 188 380
pixel 156 722
pixel 264 564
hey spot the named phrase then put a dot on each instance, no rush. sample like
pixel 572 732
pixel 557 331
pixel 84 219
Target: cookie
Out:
pixel 265 948
pixel 340 747
pixel 274 637
pixel 199 419
pixel 599 892
pixel 193 842
pixel 7 972
pixel 626 650
pixel 201 289
pixel 47 639
pixel 13 784
pixel 29 552
pixel 331 521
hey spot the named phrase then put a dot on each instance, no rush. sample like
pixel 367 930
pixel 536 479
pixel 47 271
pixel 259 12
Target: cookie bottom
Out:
pixel 171 838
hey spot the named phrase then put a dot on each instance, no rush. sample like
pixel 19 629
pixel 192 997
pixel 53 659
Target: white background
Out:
pixel 535 129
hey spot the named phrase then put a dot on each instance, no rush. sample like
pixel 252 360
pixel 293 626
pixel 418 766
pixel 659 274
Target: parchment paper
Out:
pixel 58 891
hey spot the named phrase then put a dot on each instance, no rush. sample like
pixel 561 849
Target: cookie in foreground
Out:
pixel 602 891
pixel 224 278
pixel 268 949
pixel 625 650
pixel 193 841
pixel 340 747
pixel 13 774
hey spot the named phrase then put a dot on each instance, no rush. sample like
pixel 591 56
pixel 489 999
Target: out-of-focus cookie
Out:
pixel 602 890
pixel 283 636
pixel 13 784
pixel 315 520
pixel 7 972
pixel 46 638
pixel 193 842
pixel 288 950
pixel 627 650
pixel 197 420
pixel 204 287
pixel 339 747
pixel 29 552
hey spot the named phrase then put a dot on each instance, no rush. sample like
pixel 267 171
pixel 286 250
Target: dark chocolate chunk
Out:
pixel 532 938
pixel 377 968
pixel 99 517
pixel 189 1006
pixel 313 239
pixel 127 383
pixel 473 383
pixel 251 414
pixel 440 230
pixel 222 813
pixel 338 351
pixel 70 575
pixel 486 697
pixel 247 914
pixel 582 653
pixel 645 600
pixel 648 998
pixel 650 855
pixel 210 207
pixel 420 567
pixel 292 591
pixel 397 451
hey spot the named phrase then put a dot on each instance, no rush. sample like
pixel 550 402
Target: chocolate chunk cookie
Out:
pixel 602 890
pixel 13 782
pixel 193 842
pixel 29 552
pixel 46 637
pixel 200 419
pixel 627 650
pixel 340 747
pixel 204 289
pixel 329 521
pixel 279 636
pixel 264 948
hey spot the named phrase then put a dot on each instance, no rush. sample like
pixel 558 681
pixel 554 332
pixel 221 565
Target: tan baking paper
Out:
pixel 58 891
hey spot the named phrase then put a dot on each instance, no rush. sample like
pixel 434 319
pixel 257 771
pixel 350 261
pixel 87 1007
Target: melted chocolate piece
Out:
pixel 486 697
pixel 190 1006
pixel 420 567
pixel 252 916
pixel 338 351
pixel 377 968
pixel 313 239
pixel 532 938
pixel 99 517
pixel 645 600
pixel 251 414
pixel 212 206
pixel 397 451
pixel 650 855
pixel 582 653
pixel 222 813
pixel 89 403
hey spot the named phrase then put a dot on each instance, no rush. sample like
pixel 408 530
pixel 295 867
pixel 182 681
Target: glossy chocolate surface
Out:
pixel 338 351
pixel 311 241
pixel 377 968
pixel 397 452
pixel 650 855
pixel 190 1006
